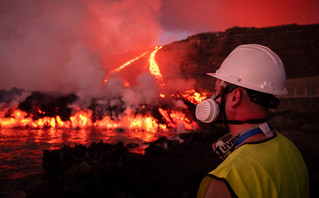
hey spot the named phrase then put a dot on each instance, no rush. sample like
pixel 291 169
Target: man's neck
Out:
pixel 241 128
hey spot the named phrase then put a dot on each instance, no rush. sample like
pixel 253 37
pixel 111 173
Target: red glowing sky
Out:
pixel 190 16
pixel 70 45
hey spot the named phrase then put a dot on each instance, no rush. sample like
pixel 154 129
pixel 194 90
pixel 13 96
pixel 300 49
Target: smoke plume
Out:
pixel 68 45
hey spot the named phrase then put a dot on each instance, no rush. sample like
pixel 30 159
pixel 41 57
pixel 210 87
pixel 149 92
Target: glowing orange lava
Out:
pixel 193 96
pixel 154 69
pixel 81 119
pixel 175 120
pixel 126 84
pixel 123 66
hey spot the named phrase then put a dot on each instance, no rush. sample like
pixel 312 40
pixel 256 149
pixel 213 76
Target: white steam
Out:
pixel 66 45
pixel 69 46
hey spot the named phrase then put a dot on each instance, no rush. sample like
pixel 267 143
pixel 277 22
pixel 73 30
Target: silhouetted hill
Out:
pixel 297 45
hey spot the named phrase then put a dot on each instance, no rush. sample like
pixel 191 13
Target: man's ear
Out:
pixel 236 97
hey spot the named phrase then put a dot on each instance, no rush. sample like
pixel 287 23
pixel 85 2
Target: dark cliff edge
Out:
pixel 297 46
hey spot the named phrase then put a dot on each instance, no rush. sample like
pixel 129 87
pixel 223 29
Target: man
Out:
pixel 261 161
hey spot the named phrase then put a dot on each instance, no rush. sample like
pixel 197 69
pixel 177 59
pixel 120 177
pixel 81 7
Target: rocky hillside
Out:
pixel 198 54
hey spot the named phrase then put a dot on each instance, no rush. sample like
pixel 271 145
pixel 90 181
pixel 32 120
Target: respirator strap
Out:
pixel 223 117
pixel 225 91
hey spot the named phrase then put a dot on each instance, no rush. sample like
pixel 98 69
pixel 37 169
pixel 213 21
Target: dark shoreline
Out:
pixel 168 168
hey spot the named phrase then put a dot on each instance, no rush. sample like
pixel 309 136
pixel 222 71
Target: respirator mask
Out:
pixel 208 110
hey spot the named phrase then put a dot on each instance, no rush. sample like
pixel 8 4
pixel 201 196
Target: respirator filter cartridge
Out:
pixel 207 111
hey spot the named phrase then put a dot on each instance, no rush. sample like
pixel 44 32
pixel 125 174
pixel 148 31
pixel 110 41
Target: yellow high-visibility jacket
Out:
pixel 270 168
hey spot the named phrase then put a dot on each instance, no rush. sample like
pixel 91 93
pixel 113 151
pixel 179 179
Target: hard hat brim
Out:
pixel 235 81
pixel 215 75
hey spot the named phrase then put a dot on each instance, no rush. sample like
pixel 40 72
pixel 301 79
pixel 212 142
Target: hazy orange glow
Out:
pixel 123 66
pixel 221 15
pixel 126 84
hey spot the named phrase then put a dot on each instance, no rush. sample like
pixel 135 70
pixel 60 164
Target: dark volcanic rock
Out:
pixel 40 105
pixel 168 168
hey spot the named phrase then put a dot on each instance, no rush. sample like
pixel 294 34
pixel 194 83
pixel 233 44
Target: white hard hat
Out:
pixel 254 67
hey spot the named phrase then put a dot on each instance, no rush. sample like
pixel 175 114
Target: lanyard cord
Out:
pixel 264 128
pixel 247 135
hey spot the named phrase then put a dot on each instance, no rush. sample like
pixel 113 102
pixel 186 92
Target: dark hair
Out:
pixel 268 101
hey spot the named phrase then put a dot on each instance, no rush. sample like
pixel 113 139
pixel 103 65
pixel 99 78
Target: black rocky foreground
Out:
pixel 169 168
